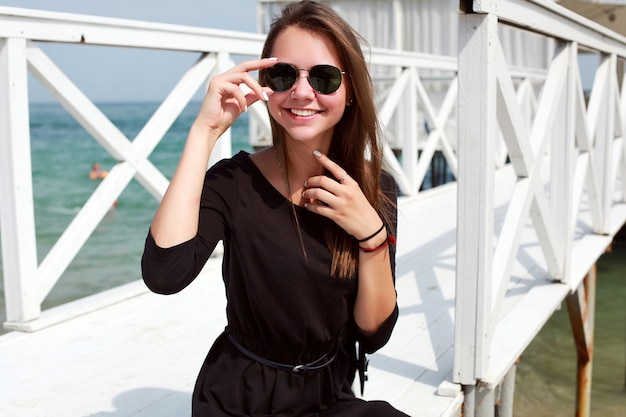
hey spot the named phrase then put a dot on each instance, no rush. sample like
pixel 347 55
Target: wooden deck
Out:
pixel 140 356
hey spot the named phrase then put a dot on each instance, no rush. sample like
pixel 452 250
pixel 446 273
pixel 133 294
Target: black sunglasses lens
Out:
pixel 325 78
pixel 281 77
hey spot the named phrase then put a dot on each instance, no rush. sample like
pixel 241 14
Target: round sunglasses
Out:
pixel 325 79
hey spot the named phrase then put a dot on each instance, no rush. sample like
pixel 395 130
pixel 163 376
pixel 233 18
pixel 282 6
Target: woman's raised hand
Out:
pixel 225 100
pixel 176 219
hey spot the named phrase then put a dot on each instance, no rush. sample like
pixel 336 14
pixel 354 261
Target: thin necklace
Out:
pixel 293 206
pixel 283 176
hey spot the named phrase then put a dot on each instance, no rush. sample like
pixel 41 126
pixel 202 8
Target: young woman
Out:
pixel 307 226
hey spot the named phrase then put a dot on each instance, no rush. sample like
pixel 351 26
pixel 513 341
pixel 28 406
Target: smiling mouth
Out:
pixel 303 113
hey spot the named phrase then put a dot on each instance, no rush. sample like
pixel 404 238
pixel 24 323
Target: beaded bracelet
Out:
pixel 390 239
pixel 372 235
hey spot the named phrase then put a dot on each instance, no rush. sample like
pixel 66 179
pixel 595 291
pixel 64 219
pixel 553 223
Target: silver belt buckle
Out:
pixel 297 369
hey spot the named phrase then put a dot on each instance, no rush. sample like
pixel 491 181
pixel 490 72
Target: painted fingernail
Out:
pixel 265 96
pixel 245 108
pixel 273 58
pixel 305 183
pixel 317 153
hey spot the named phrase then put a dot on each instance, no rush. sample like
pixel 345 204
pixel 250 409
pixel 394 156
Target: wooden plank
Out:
pixel 420 397
pixel 92 30
pixel 510 118
pixel 423 334
pixel 437 136
pixel 124 343
pixel 548 17
pixel 173 105
pixel 409 129
pixel 77 308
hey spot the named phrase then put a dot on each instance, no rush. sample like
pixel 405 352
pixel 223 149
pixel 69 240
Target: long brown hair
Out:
pixel 355 134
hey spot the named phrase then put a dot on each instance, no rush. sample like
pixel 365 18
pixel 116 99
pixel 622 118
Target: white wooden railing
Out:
pixel 568 159
pixel 406 101
pixel 27 282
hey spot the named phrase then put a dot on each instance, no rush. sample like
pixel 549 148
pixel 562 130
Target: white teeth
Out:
pixel 303 113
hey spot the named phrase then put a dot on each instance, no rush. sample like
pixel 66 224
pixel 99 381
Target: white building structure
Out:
pixel 426 30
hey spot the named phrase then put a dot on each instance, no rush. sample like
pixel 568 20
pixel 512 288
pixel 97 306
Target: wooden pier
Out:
pixel 482 262
pixel 139 356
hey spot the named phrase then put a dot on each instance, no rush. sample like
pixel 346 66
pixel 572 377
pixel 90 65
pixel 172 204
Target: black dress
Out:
pixel 282 302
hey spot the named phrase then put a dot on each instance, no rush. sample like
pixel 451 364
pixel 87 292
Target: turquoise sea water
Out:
pixel 62 155
pixel 545 383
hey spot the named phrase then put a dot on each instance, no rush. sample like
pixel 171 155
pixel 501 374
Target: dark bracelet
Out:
pixel 390 239
pixel 371 236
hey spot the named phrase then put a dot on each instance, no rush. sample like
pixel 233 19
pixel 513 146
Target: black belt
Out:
pixel 317 364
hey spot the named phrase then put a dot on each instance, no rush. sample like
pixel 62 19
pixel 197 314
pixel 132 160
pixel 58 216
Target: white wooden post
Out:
pixel 562 152
pixel 604 144
pixel 17 214
pixel 604 129
pixel 595 124
pixel 476 143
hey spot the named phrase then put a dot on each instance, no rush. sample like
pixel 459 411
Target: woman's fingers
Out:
pixel 231 92
pixel 249 83
pixel 338 172
pixel 239 76
pixel 325 189
pixel 340 199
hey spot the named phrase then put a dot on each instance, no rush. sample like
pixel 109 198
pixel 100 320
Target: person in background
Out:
pixel 97 173
pixel 308 227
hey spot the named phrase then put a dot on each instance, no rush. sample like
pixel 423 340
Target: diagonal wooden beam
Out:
pixel 132 157
pixel 528 198
pixel 437 134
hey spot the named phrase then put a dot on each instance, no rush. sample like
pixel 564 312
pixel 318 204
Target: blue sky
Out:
pixel 230 14
pixel 117 74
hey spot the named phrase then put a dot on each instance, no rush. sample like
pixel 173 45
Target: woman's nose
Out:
pixel 302 89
